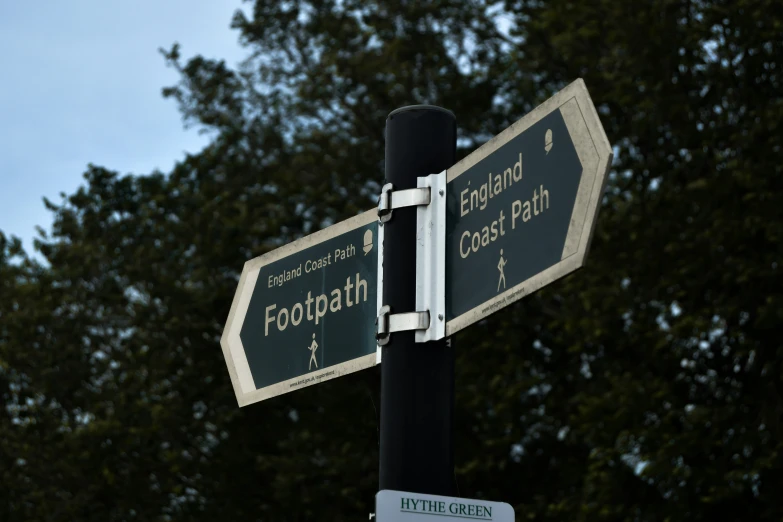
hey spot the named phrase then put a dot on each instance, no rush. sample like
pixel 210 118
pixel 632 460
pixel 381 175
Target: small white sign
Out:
pixel 401 506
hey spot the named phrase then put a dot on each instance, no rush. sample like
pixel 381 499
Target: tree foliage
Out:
pixel 646 387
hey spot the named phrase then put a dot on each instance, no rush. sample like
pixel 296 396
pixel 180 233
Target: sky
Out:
pixel 81 83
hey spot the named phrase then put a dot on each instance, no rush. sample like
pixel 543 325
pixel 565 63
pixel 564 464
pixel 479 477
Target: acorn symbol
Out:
pixel 367 242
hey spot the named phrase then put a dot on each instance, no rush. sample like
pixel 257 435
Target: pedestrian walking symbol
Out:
pixel 313 347
pixel 501 264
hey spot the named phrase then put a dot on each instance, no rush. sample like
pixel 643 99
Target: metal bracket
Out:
pixel 379 293
pixel 387 323
pixel 430 198
pixel 391 199
pixel 431 258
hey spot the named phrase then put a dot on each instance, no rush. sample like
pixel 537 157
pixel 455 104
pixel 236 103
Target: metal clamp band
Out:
pixel 391 199
pixel 387 323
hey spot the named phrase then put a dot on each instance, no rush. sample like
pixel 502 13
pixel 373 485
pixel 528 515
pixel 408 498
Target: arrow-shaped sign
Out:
pixel 522 207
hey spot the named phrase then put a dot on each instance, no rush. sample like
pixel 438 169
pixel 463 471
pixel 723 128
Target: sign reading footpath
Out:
pixel 305 313
pixel 520 210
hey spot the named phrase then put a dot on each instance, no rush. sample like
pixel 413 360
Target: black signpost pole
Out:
pixel 417 386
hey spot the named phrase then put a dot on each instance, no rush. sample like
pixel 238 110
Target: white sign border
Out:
pixel 595 154
pixel 231 343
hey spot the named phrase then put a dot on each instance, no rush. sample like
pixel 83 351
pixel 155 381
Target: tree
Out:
pixel 645 387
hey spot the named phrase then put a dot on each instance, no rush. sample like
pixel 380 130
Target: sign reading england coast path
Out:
pixel 520 210
pixel 305 313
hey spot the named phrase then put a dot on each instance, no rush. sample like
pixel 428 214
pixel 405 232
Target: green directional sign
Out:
pixel 520 210
pixel 305 313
